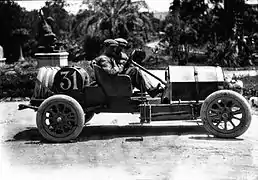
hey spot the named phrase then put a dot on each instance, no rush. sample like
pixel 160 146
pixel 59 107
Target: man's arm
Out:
pixel 122 61
pixel 105 63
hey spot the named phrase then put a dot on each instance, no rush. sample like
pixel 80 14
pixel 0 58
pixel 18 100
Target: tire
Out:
pixel 60 118
pixel 226 114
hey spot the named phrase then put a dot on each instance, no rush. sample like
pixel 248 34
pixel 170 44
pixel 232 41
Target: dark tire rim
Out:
pixel 226 115
pixel 59 119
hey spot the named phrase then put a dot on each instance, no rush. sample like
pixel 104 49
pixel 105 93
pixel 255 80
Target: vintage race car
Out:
pixel 65 100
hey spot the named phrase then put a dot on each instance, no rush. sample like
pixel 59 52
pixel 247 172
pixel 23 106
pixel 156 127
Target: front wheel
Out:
pixel 226 114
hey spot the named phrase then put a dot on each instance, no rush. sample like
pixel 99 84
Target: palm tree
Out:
pixel 113 18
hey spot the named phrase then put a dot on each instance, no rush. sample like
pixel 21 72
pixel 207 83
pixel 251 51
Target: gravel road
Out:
pixel 114 147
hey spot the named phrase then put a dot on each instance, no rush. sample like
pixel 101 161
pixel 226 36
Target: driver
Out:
pixel 109 61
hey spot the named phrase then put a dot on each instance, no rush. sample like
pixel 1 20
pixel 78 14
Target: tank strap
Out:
pixel 44 86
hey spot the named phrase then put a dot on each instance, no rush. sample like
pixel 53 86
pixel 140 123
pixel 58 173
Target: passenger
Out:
pixel 122 58
pixel 110 62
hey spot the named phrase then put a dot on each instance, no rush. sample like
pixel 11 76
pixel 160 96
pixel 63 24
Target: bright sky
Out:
pixel 75 5
pixel 154 5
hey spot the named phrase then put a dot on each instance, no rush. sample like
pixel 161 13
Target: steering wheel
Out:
pixel 137 55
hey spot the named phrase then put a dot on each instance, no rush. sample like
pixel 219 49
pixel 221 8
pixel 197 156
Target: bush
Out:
pixel 224 54
pixel 250 85
pixel 74 49
pixel 86 66
pixel 87 49
pixel 92 46
pixel 18 80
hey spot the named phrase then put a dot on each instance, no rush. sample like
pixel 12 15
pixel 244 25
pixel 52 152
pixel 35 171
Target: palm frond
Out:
pixel 140 3
pixel 118 13
pixel 147 21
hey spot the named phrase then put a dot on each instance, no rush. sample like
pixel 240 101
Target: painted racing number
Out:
pixel 69 81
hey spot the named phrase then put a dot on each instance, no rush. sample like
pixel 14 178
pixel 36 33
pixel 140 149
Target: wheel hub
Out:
pixel 59 119
pixel 225 116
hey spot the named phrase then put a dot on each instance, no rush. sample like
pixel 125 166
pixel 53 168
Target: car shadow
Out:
pixel 112 131
pixel 130 132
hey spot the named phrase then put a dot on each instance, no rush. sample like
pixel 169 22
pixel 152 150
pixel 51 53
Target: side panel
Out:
pixel 187 91
pixel 209 73
pixel 184 91
pixel 193 82
pixel 202 73
pixel 181 73
pixel 206 88
pixel 93 96
pixel 167 112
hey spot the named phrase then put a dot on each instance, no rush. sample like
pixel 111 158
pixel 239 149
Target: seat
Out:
pixel 113 85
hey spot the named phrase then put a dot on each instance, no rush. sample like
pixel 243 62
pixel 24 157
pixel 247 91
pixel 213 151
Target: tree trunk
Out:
pixel 215 38
pixel 186 53
pixel 21 58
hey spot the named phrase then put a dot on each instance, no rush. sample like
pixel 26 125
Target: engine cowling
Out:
pixel 188 83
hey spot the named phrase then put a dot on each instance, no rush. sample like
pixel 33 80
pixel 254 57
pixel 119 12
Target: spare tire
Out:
pixel 44 82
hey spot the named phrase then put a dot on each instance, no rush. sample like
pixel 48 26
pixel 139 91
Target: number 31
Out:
pixel 69 79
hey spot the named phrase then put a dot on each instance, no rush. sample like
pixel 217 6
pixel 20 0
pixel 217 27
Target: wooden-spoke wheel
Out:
pixel 226 114
pixel 60 118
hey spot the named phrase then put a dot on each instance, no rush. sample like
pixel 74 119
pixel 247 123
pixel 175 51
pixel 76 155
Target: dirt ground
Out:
pixel 113 147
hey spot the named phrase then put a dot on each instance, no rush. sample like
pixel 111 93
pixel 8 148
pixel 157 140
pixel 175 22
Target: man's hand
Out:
pixel 137 56
pixel 127 63
pixel 120 67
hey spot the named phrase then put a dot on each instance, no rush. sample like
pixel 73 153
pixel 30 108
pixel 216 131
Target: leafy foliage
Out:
pixel 113 18
pixel 190 24
pixel 11 15
pixel 194 23
pixel 17 80
pixel 92 46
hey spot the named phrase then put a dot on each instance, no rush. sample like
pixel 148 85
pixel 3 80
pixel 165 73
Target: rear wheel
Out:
pixel 60 118
pixel 226 114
